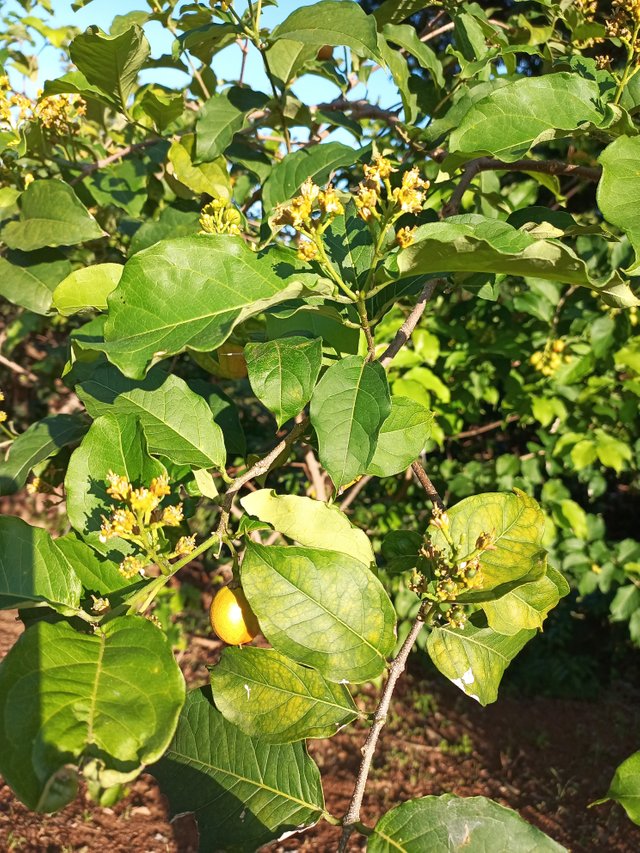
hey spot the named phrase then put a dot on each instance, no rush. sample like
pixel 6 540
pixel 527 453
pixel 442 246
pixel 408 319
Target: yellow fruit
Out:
pixel 231 617
pixel 558 345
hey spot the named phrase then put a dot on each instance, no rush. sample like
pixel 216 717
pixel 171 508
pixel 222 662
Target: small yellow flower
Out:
pixel 143 501
pixel 119 487
pixel 34 486
pixel 307 250
pixel 99 605
pixel 380 169
pixel 130 567
pixel 122 523
pixel 160 486
pixel 367 201
pixel 329 202
pixel 1 396
pixel 3 417
pixel 172 516
pixel 185 545
pixel 404 237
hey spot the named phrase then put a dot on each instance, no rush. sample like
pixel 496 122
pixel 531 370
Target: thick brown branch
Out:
pixel 120 154
pixel 469 433
pixel 485 164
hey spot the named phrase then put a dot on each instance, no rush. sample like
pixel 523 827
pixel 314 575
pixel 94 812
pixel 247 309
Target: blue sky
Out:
pixel 380 89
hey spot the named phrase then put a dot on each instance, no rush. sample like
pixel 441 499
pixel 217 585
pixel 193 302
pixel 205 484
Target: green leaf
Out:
pixel 162 107
pixel 406 37
pixel 86 288
pixel 288 58
pixel 450 824
pixel 475 659
pixel 348 408
pixel 34 570
pixel 619 190
pixel 123 185
pixel 59 693
pixel 177 422
pixel 76 83
pixel 625 787
pixel 334 22
pixel 243 792
pixel 396 11
pixel 311 523
pixel 276 700
pixel 322 608
pixel 317 162
pixel 515 524
pixel 222 116
pixel 172 222
pixel 96 574
pixel 400 550
pixel 402 437
pixel 528 605
pixel 113 443
pixel 350 247
pixel 189 293
pixel 210 178
pixel 283 373
pixel 510 121
pixel 50 215
pixel 40 441
pixel 111 62
pixel 473 243
pixel 625 602
pixel 29 279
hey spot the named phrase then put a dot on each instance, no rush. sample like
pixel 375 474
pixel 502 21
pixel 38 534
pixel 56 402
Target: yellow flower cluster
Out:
pixel 407 198
pixel 299 212
pixel 140 512
pixel 3 414
pixel 220 217
pixel 56 113
pixel 140 520
pixel 624 21
pixel 548 360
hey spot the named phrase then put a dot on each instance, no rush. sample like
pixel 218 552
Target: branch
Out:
pixel 352 817
pixel 427 485
pixel 469 433
pixel 120 154
pixel 406 329
pixel 485 164
pixel 261 467
pixel 17 369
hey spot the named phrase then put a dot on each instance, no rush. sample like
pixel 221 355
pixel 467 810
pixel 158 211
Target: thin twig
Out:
pixel 484 164
pixel 316 475
pixel 406 329
pixel 427 485
pixel 352 817
pixel 22 371
pixel 120 154
pixel 261 467
pixel 469 433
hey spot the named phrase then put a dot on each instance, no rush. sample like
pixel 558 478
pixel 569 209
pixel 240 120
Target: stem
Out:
pixel 427 485
pixel 352 817
pixel 406 329
pixel 628 72
pixel 366 327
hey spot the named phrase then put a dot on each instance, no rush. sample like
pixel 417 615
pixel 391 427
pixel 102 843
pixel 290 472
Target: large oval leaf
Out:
pixel 402 437
pixel 189 293
pixel 321 608
pixel 243 792
pixel 177 422
pixel 450 824
pixel 511 120
pixel 310 522
pixel 107 702
pixel 348 408
pixel 275 699
pixel 283 373
pixel 619 189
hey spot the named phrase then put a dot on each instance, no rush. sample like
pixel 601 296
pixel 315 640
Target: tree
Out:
pixel 171 235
